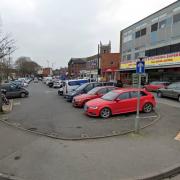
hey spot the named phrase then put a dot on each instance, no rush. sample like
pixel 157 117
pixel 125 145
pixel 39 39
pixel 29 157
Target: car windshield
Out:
pixel 93 91
pixel 81 87
pixel 110 96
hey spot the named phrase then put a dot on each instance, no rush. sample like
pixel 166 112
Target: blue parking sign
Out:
pixel 140 67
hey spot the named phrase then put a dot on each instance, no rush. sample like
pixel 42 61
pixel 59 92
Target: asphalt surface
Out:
pixel 46 112
pixel 33 157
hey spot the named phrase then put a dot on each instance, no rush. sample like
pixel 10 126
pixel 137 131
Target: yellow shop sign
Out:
pixel 168 59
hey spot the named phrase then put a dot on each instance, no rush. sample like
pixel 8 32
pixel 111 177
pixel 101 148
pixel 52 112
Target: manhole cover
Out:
pixel 32 129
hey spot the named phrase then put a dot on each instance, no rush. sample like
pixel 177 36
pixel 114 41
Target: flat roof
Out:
pixel 151 15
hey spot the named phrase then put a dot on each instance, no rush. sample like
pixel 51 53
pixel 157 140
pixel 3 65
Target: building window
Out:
pixel 162 24
pixel 143 32
pixel 104 51
pixel 154 27
pixel 136 55
pixel 128 57
pixel 111 62
pixel 138 34
pixel 176 18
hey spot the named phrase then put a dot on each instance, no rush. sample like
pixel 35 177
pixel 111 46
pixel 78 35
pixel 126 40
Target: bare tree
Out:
pixel 7 47
pixel 26 66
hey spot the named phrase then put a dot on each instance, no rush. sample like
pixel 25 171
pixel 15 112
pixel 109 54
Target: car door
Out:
pixel 122 103
pixel 176 91
pixel 169 90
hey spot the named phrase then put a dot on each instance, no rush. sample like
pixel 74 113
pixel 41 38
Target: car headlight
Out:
pixel 93 107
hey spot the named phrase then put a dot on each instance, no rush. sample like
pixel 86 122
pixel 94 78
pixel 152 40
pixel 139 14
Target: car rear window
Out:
pixel 73 83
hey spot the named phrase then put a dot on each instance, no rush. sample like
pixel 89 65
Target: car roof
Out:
pixel 127 90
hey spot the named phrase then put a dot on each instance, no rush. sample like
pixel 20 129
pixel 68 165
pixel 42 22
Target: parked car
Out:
pixel 171 91
pixel 155 85
pixel 36 80
pixel 97 92
pixel 13 91
pixel 120 101
pixel 57 84
pixel 71 85
pixel 85 88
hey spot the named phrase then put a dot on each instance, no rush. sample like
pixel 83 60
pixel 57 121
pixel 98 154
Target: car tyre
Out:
pixel 105 112
pixel 179 98
pixel 159 94
pixel 147 108
pixel 23 95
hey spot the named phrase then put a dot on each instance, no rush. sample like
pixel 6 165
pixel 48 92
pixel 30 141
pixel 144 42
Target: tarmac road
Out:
pixel 33 157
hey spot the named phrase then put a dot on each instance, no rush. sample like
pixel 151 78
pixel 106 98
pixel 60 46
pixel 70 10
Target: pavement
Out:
pixel 33 157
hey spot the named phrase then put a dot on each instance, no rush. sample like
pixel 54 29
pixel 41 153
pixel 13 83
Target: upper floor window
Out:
pixel 162 24
pixel 143 32
pixel 140 33
pixel 154 27
pixel 176 18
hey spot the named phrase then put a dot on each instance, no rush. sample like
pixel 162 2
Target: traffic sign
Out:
pixel 140 67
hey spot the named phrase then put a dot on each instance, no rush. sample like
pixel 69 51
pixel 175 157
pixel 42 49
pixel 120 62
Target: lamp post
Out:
pixel 98 70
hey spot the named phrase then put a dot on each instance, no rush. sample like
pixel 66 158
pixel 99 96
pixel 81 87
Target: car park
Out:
pixel 85 88
pixel 13 91
pixel 97 92
pixel 171 91
pixel 120 101
pixel 155 85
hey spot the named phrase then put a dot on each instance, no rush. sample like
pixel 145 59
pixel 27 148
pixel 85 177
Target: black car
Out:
pixel 85 88
pixel 171 91
pixel 12 91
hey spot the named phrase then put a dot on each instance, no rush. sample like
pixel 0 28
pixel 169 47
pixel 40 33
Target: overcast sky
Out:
pixel 56 30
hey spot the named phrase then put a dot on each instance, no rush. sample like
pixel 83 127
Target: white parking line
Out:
pixel 173 104
pixel 144 117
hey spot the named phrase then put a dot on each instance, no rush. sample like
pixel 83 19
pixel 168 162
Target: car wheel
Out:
pixel 23 95
pixel 179 98
pixel 105 113
pixel 148 107
pixel 159 94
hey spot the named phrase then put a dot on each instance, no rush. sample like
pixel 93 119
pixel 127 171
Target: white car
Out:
pixel 57 84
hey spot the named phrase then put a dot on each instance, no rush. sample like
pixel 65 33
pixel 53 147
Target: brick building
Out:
pixel 87 67
pixel 75 65
pixel 110 66
pixel 47 72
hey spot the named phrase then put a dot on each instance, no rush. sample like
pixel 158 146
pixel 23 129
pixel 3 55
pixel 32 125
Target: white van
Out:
pixel 71 85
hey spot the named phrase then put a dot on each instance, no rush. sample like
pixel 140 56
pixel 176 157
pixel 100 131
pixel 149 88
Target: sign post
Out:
pixel 140 69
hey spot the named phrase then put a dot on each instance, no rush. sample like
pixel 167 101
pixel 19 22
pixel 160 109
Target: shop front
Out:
pixel 158 68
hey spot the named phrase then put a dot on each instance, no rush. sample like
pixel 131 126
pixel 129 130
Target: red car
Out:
pixel 120 101
pixel 155 85
pixel 97 92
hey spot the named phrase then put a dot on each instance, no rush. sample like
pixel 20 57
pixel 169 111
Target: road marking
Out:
pixel 177 137
pixel 16 103
pixel 148 117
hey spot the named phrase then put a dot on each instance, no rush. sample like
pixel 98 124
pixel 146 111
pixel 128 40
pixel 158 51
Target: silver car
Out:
pixel 171 91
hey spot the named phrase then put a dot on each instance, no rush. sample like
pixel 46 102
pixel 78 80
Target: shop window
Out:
pixel 143 32
pixel 154 27
pixel 162 24
pixel 176 18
